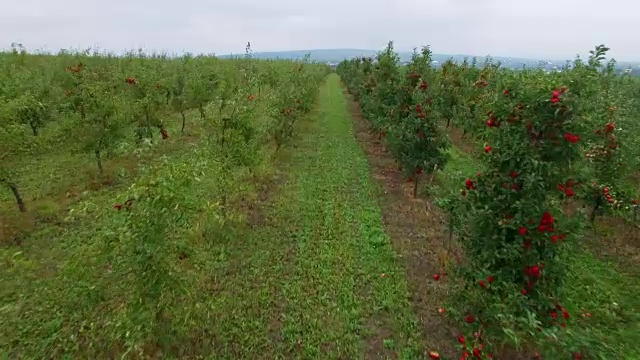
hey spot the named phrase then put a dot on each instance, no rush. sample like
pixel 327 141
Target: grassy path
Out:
pixel 319 279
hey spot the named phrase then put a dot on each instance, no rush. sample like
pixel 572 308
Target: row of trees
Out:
pixel 547 139
pixel 162 227
pixel 101 101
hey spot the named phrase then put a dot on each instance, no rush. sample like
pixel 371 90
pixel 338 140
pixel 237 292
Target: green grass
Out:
pixel 60 293
pixel 52 168
pixel 612 298
pixel 309 283
pixel 301 280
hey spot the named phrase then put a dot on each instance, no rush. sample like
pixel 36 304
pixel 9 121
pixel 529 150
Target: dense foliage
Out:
pixel 546 141
pixel 119 281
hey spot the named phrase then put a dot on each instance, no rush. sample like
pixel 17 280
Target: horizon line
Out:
pixel 434 53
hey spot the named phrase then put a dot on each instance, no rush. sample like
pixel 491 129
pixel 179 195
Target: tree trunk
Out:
pixel 275 153
pixel 139 133
pixel 415 187
pixel 595 209
pixel 433 174
pixel 16 194
pixel 184 120
pixel 147 119
pixel 224 129
pixel 99 162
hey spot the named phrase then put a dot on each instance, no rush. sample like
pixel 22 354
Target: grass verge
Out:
pixel 320 276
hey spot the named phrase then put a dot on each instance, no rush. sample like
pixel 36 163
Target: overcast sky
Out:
pixel 519 28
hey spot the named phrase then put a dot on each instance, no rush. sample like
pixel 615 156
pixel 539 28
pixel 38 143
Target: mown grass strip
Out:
pixel 328 245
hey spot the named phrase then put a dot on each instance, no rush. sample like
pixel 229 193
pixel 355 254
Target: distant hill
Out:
pixel 337 55
pixel 328 55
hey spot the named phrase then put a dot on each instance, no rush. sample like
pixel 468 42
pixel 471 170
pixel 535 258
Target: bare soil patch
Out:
pixel 419 233
pixel 461 141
